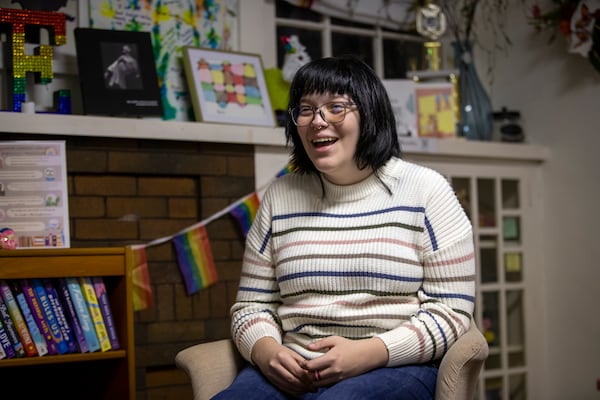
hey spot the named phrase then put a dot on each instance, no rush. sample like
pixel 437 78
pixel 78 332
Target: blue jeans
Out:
pixel 410 382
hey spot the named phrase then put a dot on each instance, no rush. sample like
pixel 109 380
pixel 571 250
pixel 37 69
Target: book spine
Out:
pixel 89 294
pixel 102 295
pixel 38 314
pixel 2 353
pixel 71 315
pixel 83 313
pixel 34 329
pixel 59 313
pixel 42 297
pixel 17 317
pixel 5 343
pixel 9 326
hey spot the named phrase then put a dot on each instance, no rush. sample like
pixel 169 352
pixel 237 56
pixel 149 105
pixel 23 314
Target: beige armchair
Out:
pixel 212 366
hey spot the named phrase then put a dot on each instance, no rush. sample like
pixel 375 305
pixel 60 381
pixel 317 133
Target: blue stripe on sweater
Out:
pixel 434 244
pixel 355 215
pixel 265 241
pixel 440 329
pixel 452 296
pixel 347 274
pixel 250 289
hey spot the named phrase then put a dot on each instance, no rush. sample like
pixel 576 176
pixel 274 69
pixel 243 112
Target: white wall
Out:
pixel 558 95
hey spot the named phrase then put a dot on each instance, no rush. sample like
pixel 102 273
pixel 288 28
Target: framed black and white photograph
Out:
pixel 117 73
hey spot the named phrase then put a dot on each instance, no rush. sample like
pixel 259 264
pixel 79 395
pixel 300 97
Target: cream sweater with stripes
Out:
pixel 356 261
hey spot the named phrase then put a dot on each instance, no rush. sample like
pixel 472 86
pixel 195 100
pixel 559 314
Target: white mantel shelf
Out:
pixel 157 129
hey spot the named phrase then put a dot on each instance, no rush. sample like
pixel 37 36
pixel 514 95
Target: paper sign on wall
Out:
pixel 34 211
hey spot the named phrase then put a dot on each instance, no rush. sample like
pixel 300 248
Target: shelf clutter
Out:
pixel 158 129
pixel 87 340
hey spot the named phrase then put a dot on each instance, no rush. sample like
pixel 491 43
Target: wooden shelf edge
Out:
pixel 139 128
pixel 158 129
pixel 62 358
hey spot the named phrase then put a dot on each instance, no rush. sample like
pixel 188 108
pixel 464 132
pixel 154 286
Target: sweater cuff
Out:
pixel 247 341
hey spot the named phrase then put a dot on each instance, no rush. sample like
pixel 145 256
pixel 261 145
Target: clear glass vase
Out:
pixel 475 114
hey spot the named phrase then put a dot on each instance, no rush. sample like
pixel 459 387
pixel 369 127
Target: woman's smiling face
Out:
pixel 331 147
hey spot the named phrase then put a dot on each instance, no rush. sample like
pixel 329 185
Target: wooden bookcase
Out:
pixel 98 375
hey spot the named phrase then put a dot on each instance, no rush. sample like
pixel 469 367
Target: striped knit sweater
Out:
pixel 356 261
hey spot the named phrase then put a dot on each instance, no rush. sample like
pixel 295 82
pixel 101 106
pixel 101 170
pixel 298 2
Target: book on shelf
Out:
pixel 102 295
pixel 32 325
pixel 2 353
pixel 85 319
pixel 38 315
pixel 49 315
pixel 71 314
pixel 5 343
pixel 59 313
pixel 17 317
pixel 11 330
pixel 87 288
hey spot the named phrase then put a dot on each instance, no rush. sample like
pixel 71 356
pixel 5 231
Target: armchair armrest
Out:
pixel 461 365
pixel 211 366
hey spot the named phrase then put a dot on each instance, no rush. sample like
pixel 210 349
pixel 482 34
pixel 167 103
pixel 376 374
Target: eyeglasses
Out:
pixel 332 113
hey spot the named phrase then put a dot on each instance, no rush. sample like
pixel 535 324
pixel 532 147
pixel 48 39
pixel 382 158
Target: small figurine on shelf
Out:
pixel 8 239
pixel 295 56
pixel 278 80
pixel 509 129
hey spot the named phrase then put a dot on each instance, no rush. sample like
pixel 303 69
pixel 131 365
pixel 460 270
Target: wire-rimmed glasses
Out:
pixel 333 112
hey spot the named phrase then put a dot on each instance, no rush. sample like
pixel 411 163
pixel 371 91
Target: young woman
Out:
pixel 359 269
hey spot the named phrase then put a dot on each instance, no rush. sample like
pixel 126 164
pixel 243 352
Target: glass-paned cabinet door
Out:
pixel 494 198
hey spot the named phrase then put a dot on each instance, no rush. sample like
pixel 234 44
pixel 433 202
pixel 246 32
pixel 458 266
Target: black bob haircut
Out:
pixel 346 75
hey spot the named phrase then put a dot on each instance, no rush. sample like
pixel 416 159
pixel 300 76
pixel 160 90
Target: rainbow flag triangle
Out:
pixel 195 259
pixel 246 211
pixel 140 279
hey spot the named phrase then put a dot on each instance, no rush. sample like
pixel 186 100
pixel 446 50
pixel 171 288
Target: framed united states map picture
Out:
pixel 227 87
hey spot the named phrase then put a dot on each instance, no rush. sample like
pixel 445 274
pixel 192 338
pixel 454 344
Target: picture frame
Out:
pixel 402 97
pixel 436 109
pixel 117 73
pixel 227 87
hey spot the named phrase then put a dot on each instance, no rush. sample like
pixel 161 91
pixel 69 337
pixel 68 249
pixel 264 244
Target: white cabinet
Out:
pixel 504 203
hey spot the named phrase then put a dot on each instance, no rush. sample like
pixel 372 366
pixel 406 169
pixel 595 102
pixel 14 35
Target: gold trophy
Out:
pixel 431 23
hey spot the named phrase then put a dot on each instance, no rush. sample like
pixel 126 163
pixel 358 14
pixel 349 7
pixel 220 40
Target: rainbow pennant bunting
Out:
pixel 195 259
pixel 142 290
pixel 246 211
pixel 285 170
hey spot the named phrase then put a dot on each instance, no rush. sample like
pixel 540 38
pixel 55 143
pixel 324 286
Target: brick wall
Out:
pixel 129 191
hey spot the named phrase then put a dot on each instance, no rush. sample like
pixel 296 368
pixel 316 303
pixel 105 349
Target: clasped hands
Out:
pixel 342 358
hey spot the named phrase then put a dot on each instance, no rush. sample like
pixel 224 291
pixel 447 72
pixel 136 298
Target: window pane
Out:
pixel 510 194
pixel 488 255
pixel 401 56
pixel 487 204
pixel 513 267
pixel 493 388
pixel 518 387
pixel 491 318
pixel 283 9
pixel 462 188
pixel 514 320
pixel 350 23
pixel 511 229
pixel 360 46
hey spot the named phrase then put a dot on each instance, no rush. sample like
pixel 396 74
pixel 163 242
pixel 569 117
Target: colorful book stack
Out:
pixel 40 317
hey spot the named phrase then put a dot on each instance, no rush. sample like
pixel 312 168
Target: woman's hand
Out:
pixel 282 366
pixel 344 358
